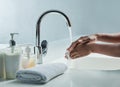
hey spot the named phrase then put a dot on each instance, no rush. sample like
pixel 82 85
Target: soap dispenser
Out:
pixel 28 57
pixel 12 58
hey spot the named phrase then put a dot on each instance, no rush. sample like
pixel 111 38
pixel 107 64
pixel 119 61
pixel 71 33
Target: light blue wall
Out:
pixel 87 16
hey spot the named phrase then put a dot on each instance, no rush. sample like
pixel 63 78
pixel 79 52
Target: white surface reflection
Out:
pixel 76 78
pixel 95 78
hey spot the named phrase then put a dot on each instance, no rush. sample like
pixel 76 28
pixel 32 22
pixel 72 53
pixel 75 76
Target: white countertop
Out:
pixel 75 78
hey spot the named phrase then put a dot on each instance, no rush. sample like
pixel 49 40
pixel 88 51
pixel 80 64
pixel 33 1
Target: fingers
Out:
pixel 78 55
pixel 65 56
pixel 74 55
pixel 82 40
pixel 72 46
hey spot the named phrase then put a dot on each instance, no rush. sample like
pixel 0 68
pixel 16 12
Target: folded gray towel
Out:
pixel 41 73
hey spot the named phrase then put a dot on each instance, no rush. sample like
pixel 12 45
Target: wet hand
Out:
pixel 82 40
pixel 80 51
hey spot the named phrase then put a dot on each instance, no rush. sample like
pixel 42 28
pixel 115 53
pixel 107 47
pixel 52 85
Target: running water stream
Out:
pixel 69 62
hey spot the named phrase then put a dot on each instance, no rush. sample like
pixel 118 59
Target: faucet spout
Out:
pixel 39 48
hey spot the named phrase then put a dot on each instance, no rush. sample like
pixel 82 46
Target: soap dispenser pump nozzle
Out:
pixel 12 41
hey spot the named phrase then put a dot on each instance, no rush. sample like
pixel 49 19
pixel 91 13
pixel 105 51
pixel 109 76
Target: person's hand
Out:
pixel 80 51
pixel 83 40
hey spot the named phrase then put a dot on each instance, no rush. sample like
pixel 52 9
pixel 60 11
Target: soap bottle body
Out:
pixel 12 60
pixel 2 66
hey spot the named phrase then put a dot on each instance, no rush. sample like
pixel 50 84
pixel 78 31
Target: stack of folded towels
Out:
pixel 41 73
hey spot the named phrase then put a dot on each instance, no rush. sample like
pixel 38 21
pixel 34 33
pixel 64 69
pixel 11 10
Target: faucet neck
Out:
pixel 39 22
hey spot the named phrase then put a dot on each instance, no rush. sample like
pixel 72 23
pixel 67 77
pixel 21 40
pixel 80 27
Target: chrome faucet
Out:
pixel 42 48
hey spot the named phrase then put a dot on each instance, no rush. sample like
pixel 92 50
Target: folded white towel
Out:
pixel 41 73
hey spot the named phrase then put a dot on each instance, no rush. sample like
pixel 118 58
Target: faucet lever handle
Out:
pixel 44 45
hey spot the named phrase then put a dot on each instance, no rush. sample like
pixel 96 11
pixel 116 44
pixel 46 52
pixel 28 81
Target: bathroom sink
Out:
pixel 95 70
pixel 93 62
pixel 96 62
pixel 94 78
